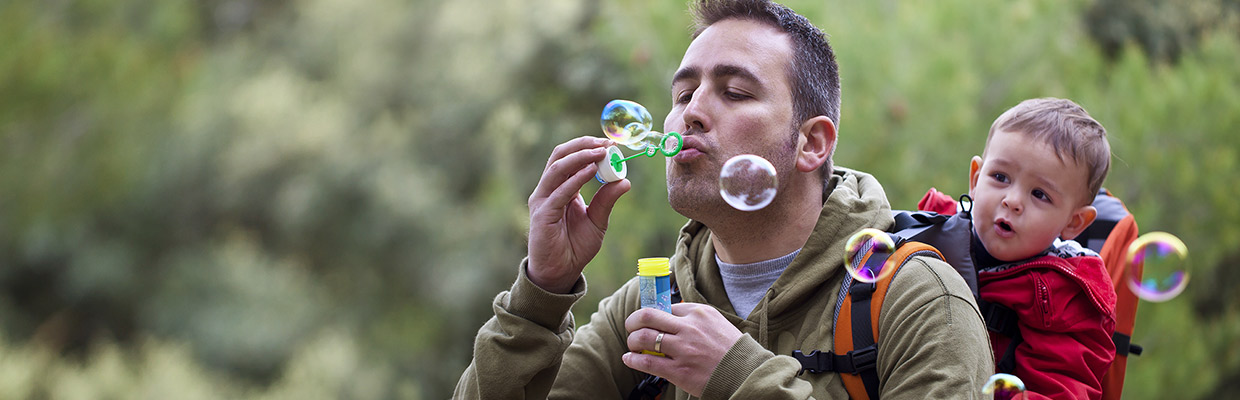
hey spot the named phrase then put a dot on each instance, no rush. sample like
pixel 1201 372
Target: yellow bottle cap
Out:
pixel 656 266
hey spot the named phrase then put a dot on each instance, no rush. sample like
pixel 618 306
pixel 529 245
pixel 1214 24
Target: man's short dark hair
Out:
pixel 813 74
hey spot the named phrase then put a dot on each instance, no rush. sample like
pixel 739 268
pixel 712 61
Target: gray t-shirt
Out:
pixel 747 283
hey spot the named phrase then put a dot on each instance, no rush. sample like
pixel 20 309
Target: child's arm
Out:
pixel 1067 344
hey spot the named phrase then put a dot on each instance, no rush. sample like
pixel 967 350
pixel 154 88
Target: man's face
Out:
pixel 730 96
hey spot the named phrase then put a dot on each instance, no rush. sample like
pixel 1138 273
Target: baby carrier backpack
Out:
pixel 915 233
pixel 1112 231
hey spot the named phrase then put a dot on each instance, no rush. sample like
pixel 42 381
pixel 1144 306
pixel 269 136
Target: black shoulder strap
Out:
pixel 862 332
pixel 1004 321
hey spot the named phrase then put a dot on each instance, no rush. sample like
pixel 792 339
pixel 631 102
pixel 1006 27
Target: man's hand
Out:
pixel 565 233
pixel 695 338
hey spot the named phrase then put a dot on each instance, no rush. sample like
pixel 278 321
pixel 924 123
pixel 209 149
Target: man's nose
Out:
pixel 696 116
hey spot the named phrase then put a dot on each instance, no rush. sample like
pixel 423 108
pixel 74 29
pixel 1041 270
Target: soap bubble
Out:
pixel 627 123
pixel 747 182
pixel 1156 266
pixel 859 245
pixel 1004 387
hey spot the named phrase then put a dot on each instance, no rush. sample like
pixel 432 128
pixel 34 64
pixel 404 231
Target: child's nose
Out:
pixel 1012 204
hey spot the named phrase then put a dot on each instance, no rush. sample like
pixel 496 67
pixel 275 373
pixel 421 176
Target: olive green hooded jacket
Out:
pixel 932 342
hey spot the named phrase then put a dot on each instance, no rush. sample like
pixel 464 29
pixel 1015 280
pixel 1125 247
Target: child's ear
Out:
pixel 1081 218
pixel 975 168
pixel 815 143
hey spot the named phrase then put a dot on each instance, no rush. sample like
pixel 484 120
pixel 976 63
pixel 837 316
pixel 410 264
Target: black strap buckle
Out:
pixel 815 362
pixel 998 318
pixel 862 359
pixel 853 362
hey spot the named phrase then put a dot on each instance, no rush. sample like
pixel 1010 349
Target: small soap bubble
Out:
pixel 1004 387
pixel 627 123
pixel 747 182
pixel 861 244
pixel 1157 268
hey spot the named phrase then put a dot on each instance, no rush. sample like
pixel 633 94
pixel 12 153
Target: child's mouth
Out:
pixel 1004 226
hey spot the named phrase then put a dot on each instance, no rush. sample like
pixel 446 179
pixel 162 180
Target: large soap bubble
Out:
pixel 747 182
pixel 1157 269
pixel 627 123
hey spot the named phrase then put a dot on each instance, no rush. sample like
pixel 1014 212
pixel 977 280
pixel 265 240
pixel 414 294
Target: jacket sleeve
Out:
pixel 1066 347
pixel 517 353
pixel 932 341
pixel 749 371
pixel 592 366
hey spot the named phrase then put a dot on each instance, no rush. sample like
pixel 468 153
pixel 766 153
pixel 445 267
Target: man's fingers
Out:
pixel 557 174
pixel 570 189
pixel 649 363
pixel 645 339
pixel 653 319
pixel 604 200
pixel 573 146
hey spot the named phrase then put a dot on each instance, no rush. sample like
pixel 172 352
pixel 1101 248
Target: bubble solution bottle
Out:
pixel 654 285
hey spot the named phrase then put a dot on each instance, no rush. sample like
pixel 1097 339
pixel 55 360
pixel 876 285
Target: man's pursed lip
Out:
pixel 686 155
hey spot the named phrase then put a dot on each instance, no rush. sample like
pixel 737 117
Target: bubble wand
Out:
pixel 630 124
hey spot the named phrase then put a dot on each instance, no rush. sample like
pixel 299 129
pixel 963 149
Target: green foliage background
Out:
pixel 320 198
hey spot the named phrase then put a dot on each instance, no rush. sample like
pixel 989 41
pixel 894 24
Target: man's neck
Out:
pixel 769 233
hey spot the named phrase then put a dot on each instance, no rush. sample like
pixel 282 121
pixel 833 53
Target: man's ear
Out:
pixel 1081 218
pixel 975 168
pixel 815 143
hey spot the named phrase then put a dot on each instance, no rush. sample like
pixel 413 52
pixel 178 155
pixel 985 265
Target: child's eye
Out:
pixel 999 176
pixel 1040 195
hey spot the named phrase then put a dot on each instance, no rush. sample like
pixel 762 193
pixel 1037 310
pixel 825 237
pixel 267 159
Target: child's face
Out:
pixel 1024 196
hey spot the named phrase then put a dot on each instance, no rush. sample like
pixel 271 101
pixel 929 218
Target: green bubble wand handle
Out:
pixel 670 145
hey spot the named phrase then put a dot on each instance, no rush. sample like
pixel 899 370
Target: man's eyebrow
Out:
pixel 686 73
pixel 728 70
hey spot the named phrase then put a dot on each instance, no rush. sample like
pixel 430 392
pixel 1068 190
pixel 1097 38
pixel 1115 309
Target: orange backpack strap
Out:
pixel 857 318
pixel 1113 255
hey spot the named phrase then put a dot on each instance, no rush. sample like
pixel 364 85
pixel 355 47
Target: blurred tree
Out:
pixel 236 198
pixel 1164 29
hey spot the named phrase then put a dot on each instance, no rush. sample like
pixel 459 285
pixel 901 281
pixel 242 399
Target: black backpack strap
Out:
pixel 1124 345
pixel 862 333
pixel 910 223
pixel 1004 321
pixel 649 388
pixel 817 362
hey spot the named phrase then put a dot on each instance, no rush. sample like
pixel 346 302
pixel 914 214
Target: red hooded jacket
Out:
pixel 1065 303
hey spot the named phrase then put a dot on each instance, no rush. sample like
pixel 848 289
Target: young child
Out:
pixel 1043 163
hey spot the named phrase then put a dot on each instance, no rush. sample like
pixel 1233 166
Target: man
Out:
pixel 757 79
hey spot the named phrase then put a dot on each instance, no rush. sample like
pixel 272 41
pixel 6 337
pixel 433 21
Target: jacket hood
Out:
pixel 854 200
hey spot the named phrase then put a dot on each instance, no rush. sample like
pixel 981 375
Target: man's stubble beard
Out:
pixel 694 190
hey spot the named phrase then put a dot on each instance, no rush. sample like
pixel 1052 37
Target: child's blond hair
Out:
pixel 1068 128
